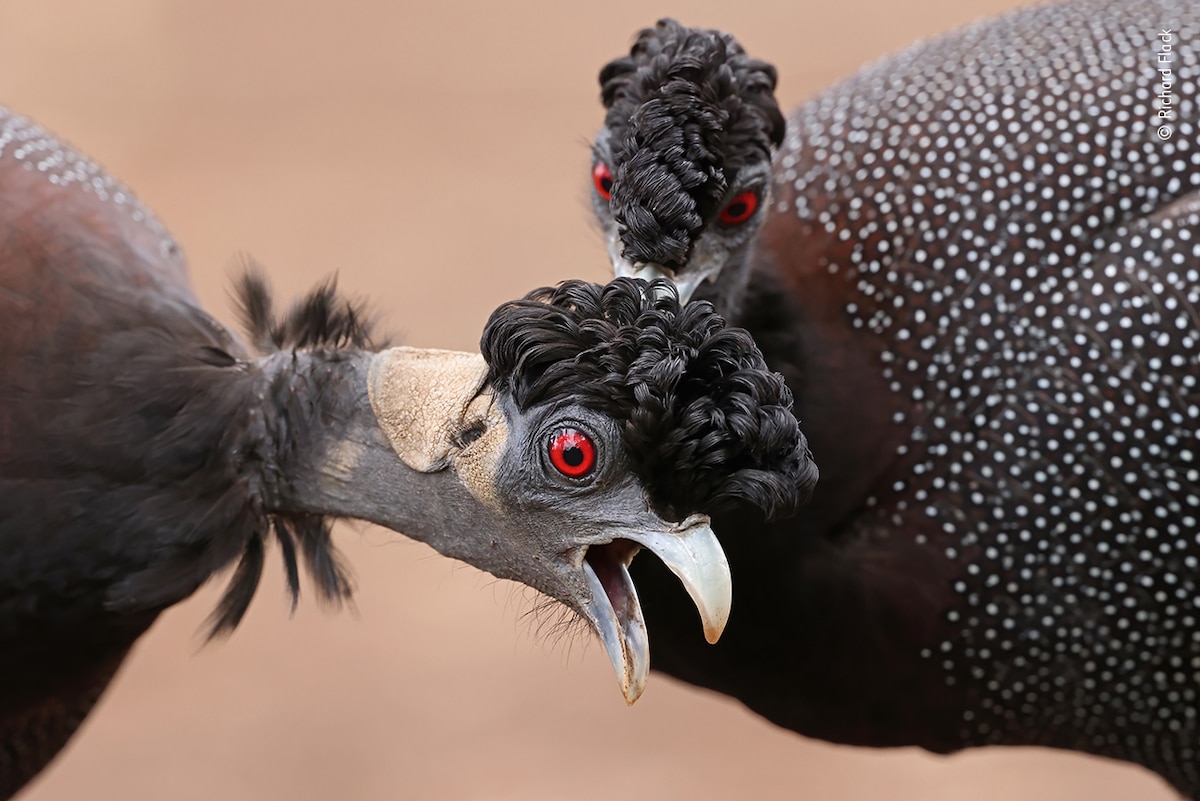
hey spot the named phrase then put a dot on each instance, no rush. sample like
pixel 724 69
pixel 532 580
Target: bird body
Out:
pixel 144 447
pixel 980 272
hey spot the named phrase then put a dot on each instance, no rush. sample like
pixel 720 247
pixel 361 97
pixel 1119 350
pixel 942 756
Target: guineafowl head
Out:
pixel 629 418
pixel 681 169
pixel 598 421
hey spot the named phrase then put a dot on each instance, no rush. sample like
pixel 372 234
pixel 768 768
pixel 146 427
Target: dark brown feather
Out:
pixel 140 447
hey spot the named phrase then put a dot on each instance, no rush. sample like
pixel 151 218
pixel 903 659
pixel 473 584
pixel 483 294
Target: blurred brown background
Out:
pixel 435 156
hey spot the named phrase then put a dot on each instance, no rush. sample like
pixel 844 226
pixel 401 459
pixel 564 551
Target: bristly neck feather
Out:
pixel 221 437
pixel 303 385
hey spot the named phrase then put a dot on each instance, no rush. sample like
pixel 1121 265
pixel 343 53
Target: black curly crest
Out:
pixel 686 109
pixel 707 426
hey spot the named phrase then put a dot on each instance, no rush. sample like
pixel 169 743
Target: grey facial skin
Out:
pixel 718 265
pixel 471 476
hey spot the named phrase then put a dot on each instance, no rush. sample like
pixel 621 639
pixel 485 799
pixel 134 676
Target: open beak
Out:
pixel 692 552
pixel 421 399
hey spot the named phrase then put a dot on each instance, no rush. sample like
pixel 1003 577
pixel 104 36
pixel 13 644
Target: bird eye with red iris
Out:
pixel 603 180
pixel 740 209
pixel 572 452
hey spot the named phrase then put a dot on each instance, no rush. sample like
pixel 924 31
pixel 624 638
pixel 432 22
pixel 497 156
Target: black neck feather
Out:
pixel 154 454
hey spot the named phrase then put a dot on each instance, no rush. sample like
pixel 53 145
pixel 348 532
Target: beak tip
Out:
pixel 716 621
pixel 632 686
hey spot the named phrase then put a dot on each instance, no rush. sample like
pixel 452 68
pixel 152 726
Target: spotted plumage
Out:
pixel 981 273
pixel 1024 247
pixel 33 148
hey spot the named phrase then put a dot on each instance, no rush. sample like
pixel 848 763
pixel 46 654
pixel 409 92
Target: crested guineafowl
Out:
pixel 978 264
pixel 143 448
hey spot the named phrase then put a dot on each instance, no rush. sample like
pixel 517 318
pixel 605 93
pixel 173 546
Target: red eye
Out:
pixel 740 209
pixel 572 453
pixel 602 179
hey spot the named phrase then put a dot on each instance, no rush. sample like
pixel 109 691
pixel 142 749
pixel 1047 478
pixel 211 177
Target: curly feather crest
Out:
pixel 706 425
pixel 686 109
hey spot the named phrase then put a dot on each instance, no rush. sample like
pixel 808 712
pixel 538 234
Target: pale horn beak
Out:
pixel 685 282
pixel 691 551
pixel 421 399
